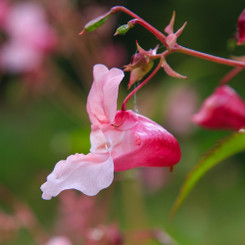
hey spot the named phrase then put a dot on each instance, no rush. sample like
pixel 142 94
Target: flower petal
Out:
pixel 241 28
pixel 86 173
pixel 224 109
pixel 99 143
pixel 144 144
pixel 102 98
pixel 110 91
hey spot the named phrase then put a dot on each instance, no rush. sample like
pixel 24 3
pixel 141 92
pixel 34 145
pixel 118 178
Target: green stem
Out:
pixel 135 214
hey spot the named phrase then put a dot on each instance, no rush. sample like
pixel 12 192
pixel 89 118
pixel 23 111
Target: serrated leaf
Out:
pixel 224 149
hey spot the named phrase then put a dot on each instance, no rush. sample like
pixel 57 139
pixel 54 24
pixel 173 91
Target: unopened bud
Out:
pixel 95 23
pixel 122 30
pixel 139 66
pixel 241 28
pixel 224 109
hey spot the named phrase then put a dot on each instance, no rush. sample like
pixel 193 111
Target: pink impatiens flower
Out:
pixel 224 109
pixel 30 38
pixel 120 140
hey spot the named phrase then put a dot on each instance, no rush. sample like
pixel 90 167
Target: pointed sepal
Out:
pixel 170 27
pixel 170 71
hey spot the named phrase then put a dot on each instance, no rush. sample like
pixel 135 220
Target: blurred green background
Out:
pixel 42 125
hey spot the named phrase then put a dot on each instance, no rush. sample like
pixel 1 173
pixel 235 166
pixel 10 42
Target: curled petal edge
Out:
pixel 87 173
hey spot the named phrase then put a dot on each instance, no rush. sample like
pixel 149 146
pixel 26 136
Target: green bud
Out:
pixel 122 30
pixel 96 23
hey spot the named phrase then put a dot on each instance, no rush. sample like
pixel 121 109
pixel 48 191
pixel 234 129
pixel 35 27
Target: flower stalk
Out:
pixel 124 105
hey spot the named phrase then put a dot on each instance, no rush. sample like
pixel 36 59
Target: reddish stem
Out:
pixel 124 105
pixel 209 57
pixel 139 20
pixel 230 75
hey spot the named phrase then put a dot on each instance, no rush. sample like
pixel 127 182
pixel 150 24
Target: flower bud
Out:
pixel 241 28
pixel 122 30
pixel 224 109
pixel 95 23
pixel 139 66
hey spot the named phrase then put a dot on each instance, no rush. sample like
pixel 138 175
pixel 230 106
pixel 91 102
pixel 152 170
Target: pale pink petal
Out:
pixel 99 71
pixel 99 143
pixel 86 173
pixel 102 98
pixel 95 98
pixel 110 92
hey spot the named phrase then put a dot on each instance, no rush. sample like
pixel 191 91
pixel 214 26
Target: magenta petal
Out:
pixel 241 28
pixel 146 144
pixel 86 173
pixel 224 109
pixel 102 98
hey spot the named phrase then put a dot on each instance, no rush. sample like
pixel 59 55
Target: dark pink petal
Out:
pixel 153 146
pixel 144 144
pixel 241 28
pixel 102 98
pixel 224 109
pixel 86 173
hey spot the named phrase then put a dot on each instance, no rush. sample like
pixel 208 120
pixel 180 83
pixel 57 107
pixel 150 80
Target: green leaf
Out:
pixel 224 149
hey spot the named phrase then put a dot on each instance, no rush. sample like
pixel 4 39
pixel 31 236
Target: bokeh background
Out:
pixel 45 76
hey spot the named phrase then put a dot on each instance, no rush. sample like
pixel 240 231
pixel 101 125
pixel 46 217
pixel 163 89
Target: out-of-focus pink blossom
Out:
pixel 16 57
pixel 4 9
pixel 59 240
pixel 27 23
pixel 224 109
pixel 181 105
pixel 104 235
pixel 77 214
pixel 9 225
pixel 30 37
pixel 113 55
pixel 154 179
pixel 120 140
pixel 241 28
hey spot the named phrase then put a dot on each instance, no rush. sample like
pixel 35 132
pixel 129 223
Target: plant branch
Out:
pixel 230 75
pixel 124 107
pixel 209 57
pixel 139 20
